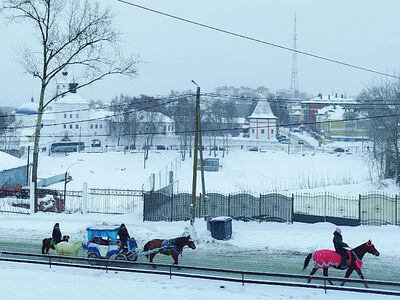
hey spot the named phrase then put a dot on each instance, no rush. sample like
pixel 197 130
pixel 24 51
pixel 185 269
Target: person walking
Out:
pixel 339 247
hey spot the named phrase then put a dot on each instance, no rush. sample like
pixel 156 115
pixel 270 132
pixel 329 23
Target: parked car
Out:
pixel 339 150
pixel 281 137
pixel 300 142
pixel 160 147
pixel 253 149
pixel 286 141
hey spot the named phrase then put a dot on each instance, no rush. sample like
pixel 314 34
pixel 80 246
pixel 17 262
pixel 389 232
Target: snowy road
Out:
pixel 258 260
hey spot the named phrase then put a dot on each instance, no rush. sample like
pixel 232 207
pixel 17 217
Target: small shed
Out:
pixel 210 164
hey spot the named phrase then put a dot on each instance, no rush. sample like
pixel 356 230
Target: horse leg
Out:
pixel 152 256
pixel 325 272
pixel 175 257
pixel 312 273
pixel 348 273
pixel 361 276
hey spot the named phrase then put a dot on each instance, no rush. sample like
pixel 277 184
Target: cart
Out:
pixel 103 244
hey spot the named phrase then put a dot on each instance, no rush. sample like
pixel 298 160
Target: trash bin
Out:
pixel 221 228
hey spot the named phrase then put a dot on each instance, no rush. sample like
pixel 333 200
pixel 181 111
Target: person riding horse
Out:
pixel 56 235
pixel 124 236
pixel 339 247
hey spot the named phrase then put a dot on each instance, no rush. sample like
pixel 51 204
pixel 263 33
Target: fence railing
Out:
pixel 367 209
pixel 243 277
pixel 94 200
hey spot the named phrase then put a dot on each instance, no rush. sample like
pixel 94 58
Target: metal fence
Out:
pixel 368 209
pixel 94 200
pixel 241 206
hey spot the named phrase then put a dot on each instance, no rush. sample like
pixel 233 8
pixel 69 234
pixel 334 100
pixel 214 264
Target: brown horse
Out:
pixel 324 259
pixel 46 244
pixel 172 247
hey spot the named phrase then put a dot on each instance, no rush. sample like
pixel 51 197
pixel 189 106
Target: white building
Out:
pixel 262 122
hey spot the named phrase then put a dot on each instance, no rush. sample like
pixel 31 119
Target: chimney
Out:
pixel 72 87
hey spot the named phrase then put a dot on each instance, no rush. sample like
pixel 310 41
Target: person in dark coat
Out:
pixel 56 235
pixel 339 247
pixel 123 235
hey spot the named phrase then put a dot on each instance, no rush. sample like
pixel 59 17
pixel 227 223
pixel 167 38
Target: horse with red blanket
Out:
pixel 325 259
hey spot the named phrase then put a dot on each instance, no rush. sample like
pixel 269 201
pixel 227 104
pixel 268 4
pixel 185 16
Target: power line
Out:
pixel 113 106
pixel 233 128
pixel 97 119
pixel 257 40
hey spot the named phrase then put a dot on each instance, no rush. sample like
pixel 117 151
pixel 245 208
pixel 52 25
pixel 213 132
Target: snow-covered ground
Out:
pixel 40 282
pixel 78 284
pixel 241 171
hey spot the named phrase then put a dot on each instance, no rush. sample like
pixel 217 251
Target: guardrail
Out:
pixel 242 277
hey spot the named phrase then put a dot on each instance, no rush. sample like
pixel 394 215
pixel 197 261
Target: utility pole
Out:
pixel 204 197
pixel 196 145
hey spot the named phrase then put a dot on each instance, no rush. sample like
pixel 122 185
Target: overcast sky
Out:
pixel 364 33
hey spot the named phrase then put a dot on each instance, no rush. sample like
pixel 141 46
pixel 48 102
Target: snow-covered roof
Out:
pixel 100 113
pixel 30 108
pixel 330 99
pixel 262 111
pixel 332 113
pixel 72 98
pixel 8 161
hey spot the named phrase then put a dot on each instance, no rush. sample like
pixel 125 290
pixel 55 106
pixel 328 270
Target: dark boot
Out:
pixel 344 263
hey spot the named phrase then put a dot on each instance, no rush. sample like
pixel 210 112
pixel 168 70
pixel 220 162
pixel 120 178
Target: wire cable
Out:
pixel 257 40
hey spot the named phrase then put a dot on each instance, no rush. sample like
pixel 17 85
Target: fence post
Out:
pixel 259 210
pixel 292 209
pixel 172 205
pixel 144 206
pixel 395 210
pixel 84 197
pixel 359 209
pixel 229 205
pixel 32 198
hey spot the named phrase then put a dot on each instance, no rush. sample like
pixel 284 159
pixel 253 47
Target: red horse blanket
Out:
pixel 328 258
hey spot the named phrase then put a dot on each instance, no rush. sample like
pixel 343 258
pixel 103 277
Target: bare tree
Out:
pixel 382 103
pixel 71 34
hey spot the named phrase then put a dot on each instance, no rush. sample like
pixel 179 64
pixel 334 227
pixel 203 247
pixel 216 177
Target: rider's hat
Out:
pixel 338 230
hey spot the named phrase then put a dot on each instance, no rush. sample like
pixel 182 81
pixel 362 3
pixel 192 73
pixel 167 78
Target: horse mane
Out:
pixel 180 242
pixel 360 250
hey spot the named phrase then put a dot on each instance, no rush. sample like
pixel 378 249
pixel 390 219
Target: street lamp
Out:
pixel 67 179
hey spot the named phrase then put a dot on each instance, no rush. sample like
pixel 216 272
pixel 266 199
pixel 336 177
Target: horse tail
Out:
pixel 43 246
pixel 146 248
pixel 307 261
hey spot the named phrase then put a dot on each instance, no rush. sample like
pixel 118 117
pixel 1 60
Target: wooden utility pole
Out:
pixel 196 145
pixel 204 197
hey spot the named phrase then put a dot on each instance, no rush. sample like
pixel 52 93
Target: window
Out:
pixel 169 127
pixel 252 131
pixel 165 128
pixel 65 126
pixel 101 126
pixel 262 131
pixel 76 126
pixel 272 131
pixel 70 126
pixel 95 126
pixel 91 126
pixel 65 116
pixel 70 116
pixel 77 116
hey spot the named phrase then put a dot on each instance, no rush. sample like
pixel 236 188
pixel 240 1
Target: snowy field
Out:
pixel 241 171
